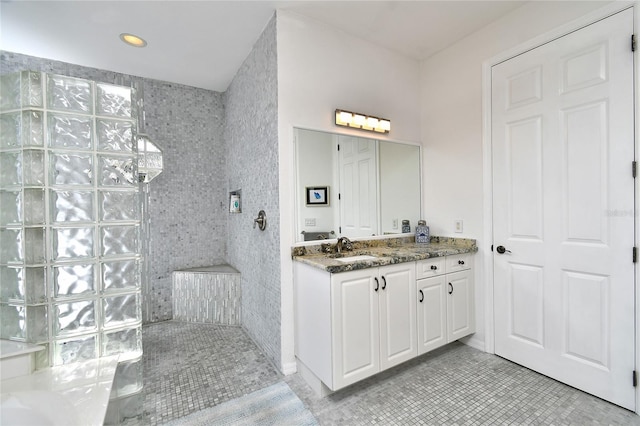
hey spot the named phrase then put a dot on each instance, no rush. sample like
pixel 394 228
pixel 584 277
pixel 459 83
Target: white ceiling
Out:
pixel 203 43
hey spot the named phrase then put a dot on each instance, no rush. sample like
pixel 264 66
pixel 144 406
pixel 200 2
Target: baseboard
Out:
pixel 289 368
pixel 474 342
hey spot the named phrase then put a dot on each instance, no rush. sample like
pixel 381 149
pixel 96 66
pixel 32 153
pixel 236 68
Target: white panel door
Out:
pixel 397 314
pixel 563 207
pixel 358 159
pixel 355 328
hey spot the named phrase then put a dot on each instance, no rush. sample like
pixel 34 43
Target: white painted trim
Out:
pixel 289 368
pixel 474 342
pixel 487 169
pixel 636 27
pixel 287 226
pixel 487 261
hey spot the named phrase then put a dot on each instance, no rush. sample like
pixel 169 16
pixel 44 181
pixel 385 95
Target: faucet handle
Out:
pixel 346 243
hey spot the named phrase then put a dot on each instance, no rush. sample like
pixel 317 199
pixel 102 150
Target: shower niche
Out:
pixel 71 253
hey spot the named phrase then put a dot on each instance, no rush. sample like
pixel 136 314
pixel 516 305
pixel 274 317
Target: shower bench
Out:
pixel 209 294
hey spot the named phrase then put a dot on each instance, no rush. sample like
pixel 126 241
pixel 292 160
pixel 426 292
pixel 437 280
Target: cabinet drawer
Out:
pixel 458 262
pixel 430 267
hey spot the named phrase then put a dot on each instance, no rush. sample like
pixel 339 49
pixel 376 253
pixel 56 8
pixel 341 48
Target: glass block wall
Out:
pixel 70 219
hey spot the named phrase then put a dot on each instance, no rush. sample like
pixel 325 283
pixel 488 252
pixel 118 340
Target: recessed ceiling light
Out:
pixel 133 40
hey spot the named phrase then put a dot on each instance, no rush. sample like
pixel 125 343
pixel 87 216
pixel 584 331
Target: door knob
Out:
pixel 502 250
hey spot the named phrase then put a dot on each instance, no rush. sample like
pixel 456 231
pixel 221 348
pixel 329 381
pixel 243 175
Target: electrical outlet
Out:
pixel 310 221
pixel 457 225
pixel 395 223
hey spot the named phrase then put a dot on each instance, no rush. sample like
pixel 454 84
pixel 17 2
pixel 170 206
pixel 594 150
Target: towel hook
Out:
pixel 261 220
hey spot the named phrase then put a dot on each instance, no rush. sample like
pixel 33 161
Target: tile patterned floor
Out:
pixel 189 367
pixel 459 385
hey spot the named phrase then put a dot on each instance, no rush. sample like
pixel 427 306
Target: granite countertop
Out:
pixel 387 252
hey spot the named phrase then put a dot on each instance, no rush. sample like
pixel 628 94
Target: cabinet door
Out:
pixel 460 305
pixel 432 313
pixel 397 314
pixel 355 329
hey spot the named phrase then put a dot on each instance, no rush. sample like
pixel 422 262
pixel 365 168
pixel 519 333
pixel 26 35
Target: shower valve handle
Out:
pixel 261 220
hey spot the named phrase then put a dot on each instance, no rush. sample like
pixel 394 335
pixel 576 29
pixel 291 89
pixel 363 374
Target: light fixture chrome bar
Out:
pixel 362 121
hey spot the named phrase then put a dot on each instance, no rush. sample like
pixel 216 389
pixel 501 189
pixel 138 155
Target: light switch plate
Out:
pixel 457 225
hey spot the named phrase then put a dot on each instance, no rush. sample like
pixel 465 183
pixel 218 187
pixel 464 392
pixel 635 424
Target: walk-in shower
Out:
pixel 71 223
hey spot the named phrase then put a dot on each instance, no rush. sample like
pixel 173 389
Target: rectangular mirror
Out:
pixel 354 186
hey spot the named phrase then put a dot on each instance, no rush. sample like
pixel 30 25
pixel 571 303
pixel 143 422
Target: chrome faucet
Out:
pixel 344 243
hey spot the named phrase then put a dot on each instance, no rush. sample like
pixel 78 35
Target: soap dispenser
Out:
pixel 422 232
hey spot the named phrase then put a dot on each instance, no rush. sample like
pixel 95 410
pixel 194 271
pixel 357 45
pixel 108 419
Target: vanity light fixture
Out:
pixel 133 40
pixel 362 121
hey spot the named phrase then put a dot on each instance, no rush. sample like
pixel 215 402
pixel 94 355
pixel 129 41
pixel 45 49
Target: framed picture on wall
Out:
pixel 317 196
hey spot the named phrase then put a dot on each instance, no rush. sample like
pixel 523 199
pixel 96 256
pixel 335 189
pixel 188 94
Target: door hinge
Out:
pixel 340 229
pixel 633 42
pixel 635 255
pixel 634 168
pixel 491 247
pixel 339 196
pixel 635 379
pixel 338 147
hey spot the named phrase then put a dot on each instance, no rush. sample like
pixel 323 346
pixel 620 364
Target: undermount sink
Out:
pixel 360 258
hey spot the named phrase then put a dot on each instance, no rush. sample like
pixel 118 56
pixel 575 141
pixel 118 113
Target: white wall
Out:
pixel 451 116
pixel 321 69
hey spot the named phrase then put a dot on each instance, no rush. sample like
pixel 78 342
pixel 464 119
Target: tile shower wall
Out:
pixel 252 166
pixel 188 200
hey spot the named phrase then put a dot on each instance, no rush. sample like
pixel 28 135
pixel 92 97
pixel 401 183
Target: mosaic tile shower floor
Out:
pixel 190 367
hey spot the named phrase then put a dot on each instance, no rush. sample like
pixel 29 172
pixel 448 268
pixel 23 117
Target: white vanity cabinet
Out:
pixel 351 325
pixel 445 300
